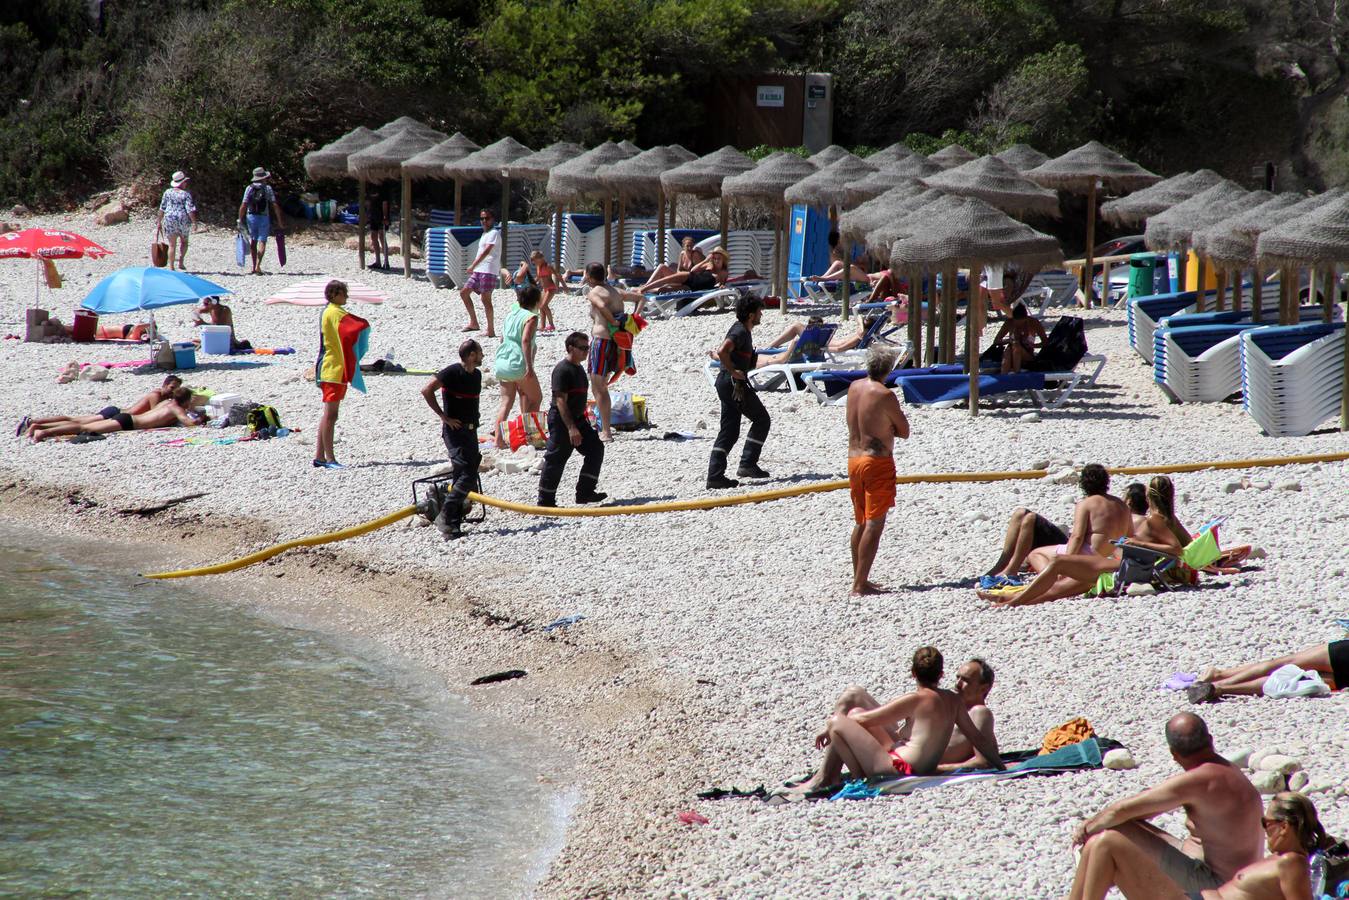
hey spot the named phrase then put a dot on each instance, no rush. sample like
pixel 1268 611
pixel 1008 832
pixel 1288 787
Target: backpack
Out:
pixel 1064 348
pixel 261 417
pixel 257 200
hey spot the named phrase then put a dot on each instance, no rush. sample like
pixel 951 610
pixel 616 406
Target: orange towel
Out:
pixel 1074 731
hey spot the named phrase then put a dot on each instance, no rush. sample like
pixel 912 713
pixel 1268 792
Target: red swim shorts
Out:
pixel 872 479
pixel 333 391
pixel 901 764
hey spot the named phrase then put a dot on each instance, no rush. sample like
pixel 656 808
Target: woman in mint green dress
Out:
pixel 514 361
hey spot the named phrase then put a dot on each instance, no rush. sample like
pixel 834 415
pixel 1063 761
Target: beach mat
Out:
pixel 1073 758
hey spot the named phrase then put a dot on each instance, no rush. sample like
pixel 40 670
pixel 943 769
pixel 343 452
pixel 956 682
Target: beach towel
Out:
pixel 1075 757
pixel 240 249
pixel 280 246
pixel 344 338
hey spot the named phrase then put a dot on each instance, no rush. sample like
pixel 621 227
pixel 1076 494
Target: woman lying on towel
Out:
pixel 1330 660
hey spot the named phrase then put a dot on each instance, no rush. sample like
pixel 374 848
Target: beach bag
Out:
pixel 240 248
pixel 257 200
pixel 159 250
pixel 627 411
pixel 1289 681
pixel 525 428
pixel 260 417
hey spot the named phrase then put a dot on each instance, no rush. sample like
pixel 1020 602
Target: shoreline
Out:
pixel 714 641
pixel 374 620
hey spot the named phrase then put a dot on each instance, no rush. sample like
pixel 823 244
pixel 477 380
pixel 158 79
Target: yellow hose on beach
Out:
pixel 736 500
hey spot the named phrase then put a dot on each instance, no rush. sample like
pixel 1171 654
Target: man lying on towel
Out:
pixel 144 404
pixel 176 410
pixel 870 741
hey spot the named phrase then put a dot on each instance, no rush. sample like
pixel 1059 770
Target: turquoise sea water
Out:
pixel 154 742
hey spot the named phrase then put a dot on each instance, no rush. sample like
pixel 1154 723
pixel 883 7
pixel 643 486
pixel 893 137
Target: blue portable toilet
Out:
pixel 808 246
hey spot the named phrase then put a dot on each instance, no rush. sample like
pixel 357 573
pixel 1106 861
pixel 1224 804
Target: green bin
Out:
pixel 1142 268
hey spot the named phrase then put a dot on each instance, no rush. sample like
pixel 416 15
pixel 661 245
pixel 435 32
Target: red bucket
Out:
pixel 85 326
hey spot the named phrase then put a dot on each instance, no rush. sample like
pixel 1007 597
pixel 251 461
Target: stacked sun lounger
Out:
pixel 1143 314
pixel 450 250
pixel 747 249
pixel 442 218
pixel 1291 376
pixel 1197 356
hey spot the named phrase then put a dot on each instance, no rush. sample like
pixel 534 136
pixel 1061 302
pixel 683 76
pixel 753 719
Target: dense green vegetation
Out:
pixel 133 89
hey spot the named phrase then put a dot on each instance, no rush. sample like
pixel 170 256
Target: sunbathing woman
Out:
pixel 1331 660
pixel 1292 832
pixel 1020 336
pixel 689 256
pixel 710 273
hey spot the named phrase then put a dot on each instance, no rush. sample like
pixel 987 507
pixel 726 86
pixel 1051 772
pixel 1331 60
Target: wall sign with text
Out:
pixel 770 95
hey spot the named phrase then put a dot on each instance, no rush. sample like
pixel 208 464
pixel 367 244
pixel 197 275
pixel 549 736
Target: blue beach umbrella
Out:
pixel 145 287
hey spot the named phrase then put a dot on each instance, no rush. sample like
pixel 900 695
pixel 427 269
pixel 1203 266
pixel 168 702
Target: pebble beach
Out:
pixel 713 642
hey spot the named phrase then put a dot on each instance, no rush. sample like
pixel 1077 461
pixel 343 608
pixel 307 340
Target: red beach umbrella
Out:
pixel 47 243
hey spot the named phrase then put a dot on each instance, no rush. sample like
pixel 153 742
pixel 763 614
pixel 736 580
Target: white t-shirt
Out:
pixel 492 261
pixel 993 278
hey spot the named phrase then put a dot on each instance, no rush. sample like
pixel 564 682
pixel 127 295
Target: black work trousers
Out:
pixel 462 446
pixel 559 451
pixel 749 406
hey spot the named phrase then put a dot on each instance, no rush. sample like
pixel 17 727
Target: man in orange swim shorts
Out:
pixel 874 421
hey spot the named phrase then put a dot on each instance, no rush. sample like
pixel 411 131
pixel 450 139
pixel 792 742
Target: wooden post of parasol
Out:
pixel 1328 294
pixel 405 239
pixel 1201 283
pixel 360 219
pixel 927 298
pixel 725 225
pixel 458 203
pixel 1091 244
pixel 915 315
pixel 1221 296
pixel 620 243
pixel 1237 290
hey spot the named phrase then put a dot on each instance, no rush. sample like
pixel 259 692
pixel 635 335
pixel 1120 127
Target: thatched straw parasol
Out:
pixel 431 163
pixel 1022 157
pixel 1161 196
pixel 702 177
pixel 536 166
pixel 383 161
pixel 1321 240
pixel 952 155
pixel 882 234
pixel 894 153
pixel 578 179
pixel 828 186
pixel 869 187
pixel 330 161
pixel 629 147
pixel 829 154
pixel 887 231
pixel 894 206
pixel 488 164
pixel 1170 229
pixel 965 232
pixel 1081 171
pixel 997 184
pixel 767 183
pixel 1229 244
pixel 639 177
pixel 404 123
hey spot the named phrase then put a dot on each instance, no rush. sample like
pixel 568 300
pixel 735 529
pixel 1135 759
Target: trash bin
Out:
pixel 1142 267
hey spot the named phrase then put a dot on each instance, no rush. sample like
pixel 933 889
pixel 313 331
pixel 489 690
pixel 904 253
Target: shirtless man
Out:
pixel 144 404
pixel 604 362
pixel 176 410
pixel 974 680
pixel 863 740
pixel 874 421
pixel 1098 519
pixel 1223 814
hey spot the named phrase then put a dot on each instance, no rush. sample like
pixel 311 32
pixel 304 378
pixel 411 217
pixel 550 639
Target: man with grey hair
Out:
pixel 874 421
pixel 1222 808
